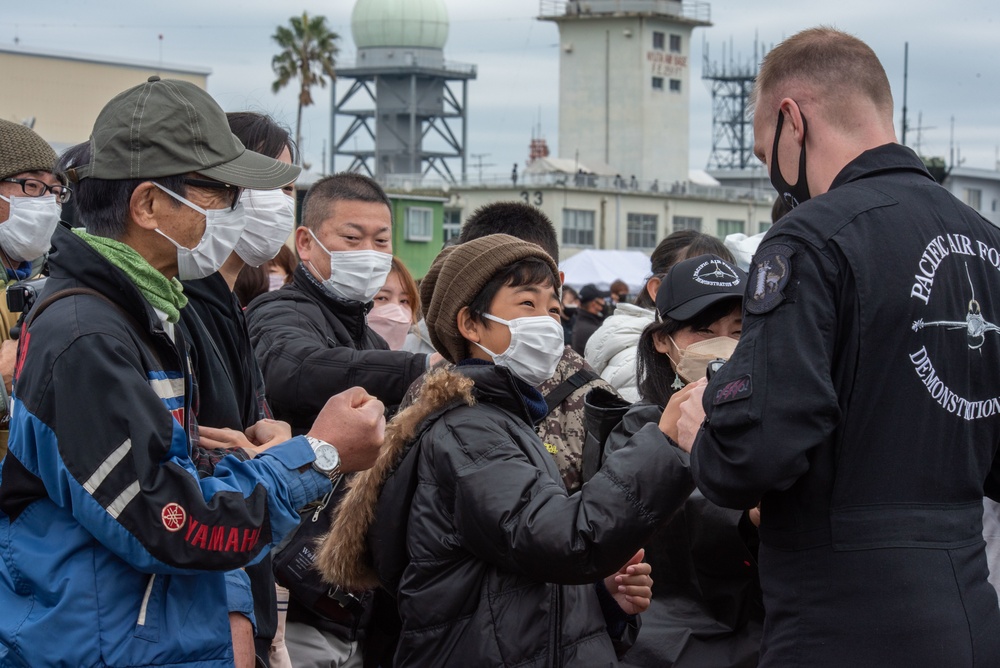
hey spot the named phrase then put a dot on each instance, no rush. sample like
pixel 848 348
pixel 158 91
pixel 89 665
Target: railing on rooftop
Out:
pixel 448 66
pixel 612 184
pixel 695 10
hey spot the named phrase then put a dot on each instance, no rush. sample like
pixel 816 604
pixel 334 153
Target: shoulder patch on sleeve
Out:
pixel 771 271
pixel 741 388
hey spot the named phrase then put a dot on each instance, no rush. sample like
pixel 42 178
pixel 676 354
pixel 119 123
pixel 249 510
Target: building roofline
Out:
pixel 450 71
pixel 672 18
pixel 393 194
pixel 105 60
pixel 976 173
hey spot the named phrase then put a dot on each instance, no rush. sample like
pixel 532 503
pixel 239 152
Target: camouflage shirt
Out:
pixel 562 430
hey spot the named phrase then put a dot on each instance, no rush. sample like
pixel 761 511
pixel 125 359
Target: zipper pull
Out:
pixel 321 506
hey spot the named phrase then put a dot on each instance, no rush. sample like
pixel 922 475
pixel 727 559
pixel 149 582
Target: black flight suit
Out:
pixel 862 408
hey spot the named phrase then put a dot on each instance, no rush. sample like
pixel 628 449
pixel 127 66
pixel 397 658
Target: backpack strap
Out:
pixel 568 387
pixel 130 318
pixel 70 292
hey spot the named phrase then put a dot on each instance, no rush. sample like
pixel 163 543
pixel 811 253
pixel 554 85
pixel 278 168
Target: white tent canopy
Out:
pixel 604 267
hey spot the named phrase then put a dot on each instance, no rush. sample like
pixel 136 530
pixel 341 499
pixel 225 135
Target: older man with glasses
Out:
pixel 30 197
pixel 115 549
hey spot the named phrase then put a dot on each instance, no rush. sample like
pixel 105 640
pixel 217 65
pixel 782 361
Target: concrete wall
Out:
pixel 610 209
pixel 65 94
pixel 609 111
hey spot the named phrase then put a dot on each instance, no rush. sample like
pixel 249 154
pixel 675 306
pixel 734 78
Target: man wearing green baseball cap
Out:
pixel 107 529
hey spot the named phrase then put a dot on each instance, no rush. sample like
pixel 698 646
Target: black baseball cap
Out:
pixel 168 127
pixel 589 293
pixel 695 284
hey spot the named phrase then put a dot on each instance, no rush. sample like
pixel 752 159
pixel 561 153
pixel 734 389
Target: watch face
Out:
pixel 327 457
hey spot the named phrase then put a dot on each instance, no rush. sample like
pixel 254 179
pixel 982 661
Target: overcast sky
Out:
pixel 954 59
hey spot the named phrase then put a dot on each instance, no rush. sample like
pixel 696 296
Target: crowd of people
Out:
pixel 220 450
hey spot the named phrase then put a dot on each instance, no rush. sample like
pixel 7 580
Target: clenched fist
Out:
pixel 354 423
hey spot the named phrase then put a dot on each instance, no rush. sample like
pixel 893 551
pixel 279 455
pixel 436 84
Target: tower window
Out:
pixel 675 85
pixel 419 223
pixel 578 227
pixel 727 227
pixel 675 44
pixel 974 198
pixel 452 224
pixel 687 223
pixel 641 230
pixel 657 83
pixel 658 41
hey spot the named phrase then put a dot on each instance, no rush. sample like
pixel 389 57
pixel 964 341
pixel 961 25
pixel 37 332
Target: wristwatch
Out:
pixel 327 458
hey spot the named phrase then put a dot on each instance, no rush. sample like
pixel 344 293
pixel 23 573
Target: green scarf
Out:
pixel 164 294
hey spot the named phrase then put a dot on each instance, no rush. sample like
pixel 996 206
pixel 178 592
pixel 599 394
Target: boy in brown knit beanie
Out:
pixel 464 519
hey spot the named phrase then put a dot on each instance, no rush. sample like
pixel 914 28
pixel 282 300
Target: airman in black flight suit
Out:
pixel 861 408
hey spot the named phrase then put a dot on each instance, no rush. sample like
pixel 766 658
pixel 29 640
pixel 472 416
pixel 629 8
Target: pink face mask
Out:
pixel 391 322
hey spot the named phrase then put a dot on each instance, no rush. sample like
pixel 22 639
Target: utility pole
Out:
pixel 906 68
pixel 478 158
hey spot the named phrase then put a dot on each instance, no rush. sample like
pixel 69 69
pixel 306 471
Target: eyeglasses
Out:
pixel 235 191
pixel 36 188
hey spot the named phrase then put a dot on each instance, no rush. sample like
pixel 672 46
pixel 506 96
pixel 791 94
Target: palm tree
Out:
pixel 308 53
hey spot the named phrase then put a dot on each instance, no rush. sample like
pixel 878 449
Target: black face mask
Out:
pixel 798 193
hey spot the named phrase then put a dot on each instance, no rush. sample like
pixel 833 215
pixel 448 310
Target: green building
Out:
pixel 417 230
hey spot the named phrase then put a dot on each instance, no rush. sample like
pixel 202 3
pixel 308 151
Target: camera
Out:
pixel 21 296
pixel 713 367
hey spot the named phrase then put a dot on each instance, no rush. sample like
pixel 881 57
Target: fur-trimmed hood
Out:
pixel 344 557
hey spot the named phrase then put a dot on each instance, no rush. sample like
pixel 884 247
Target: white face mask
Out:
pixel 356 275
pixel 27 233
pixel 270 218
pixel 694 359
pixel 223 228
pixel 536 346
pixel 275 282
pixel 391 322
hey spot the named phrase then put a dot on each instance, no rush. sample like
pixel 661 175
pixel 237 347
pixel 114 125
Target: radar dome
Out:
pixel 400 23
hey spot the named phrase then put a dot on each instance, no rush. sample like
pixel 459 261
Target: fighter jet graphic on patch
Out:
pixel 975 325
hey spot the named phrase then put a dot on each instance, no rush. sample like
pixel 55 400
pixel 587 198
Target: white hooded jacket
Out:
pixel 612 348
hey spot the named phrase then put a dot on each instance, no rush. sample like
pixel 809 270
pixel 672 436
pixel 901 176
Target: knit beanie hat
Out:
pixel 458 274
pixel 22 150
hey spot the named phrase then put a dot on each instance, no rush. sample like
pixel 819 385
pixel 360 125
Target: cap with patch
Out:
pixel 22 150
pixel 589 293
pixel 695 284
pixel 166 127
pixel 458 274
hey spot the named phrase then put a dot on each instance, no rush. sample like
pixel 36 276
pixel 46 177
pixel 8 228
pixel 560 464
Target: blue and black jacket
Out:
pixel 112 549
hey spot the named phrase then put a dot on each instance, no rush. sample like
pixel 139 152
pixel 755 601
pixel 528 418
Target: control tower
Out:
pixel 624 83
pixel 405 115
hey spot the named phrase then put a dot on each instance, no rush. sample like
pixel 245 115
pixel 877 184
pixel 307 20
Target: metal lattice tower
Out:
pixel 731 84
pixel 406 112
pixel 393 111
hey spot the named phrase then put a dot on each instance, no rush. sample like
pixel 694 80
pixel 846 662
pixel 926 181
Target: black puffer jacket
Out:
pixel 706 608
pixel 465 520
pixel 312 345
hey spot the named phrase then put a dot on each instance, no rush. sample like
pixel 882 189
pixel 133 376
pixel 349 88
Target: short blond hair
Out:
pixel 835 64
